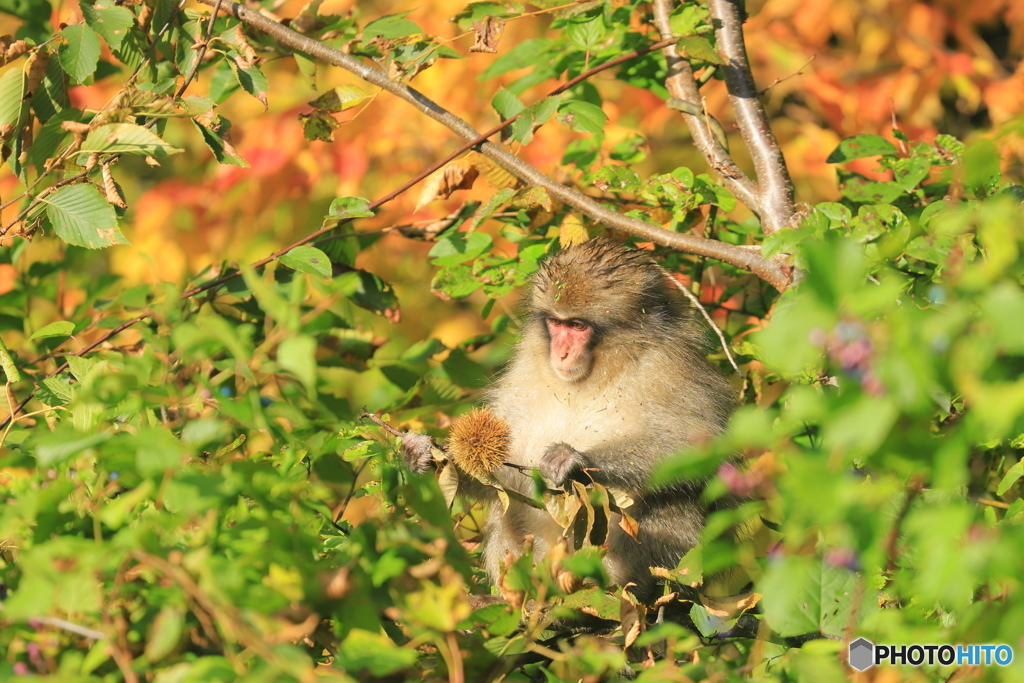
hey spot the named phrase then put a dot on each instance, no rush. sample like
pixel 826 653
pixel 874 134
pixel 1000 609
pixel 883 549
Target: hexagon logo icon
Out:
pixel 862 654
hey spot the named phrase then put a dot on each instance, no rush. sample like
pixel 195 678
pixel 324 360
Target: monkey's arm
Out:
pixel 622 464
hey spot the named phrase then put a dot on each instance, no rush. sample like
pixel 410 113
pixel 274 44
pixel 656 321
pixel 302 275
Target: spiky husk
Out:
pixel 478 442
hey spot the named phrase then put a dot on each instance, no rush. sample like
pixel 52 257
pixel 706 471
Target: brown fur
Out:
pixel 649 394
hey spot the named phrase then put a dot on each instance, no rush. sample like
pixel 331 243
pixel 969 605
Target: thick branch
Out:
pixel 748 259
pixel 775 189
pixel 681 85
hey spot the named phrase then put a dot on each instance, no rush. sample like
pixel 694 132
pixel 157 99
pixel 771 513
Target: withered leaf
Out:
pixel 573 231
pixel 318 125
pixel 456 175
pixel 488 33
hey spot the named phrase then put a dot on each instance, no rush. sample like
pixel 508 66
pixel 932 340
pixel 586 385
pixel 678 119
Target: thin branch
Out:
pixel 770 271
pixel 700 307
pixel 200 52
pixel 775 189
pixel 682 86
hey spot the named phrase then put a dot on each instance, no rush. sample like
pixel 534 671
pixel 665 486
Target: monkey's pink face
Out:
pixel 571 357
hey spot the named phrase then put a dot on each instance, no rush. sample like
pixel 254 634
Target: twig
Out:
pixel 83 631
pixel 771 271
pixel 798 72
pixel 700 307
pixel 200 52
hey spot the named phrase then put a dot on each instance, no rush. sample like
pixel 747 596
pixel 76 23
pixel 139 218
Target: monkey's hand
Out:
pixel 416 452
pixel 559 463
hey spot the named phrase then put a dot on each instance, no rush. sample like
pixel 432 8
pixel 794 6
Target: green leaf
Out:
pixel 307 259
pixel 164 633
pixel 80 55
pixel 1012 476
pixel 350 207
pixel 454 282
pixel 250 78
pixel 126 138
pixel 866 191
pixel 586 33
pixel 697 48
pixel 686 18
pixel 582 116
pixel 12 93
pixel 506 104
pixel 805 595
pixel 421 351
pixel 61 328
pixel 216 132
pixel 860 146
pixel 307 69
pixel 458 247
pixel 60 445
pixel 81 216
pixel 391 26
pixel 112 23
pixel 297 355
pixel 337 100
pixel 527 53
pixel 373 652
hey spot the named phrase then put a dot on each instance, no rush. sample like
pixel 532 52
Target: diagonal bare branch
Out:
pixel 770 271
pixel 775 189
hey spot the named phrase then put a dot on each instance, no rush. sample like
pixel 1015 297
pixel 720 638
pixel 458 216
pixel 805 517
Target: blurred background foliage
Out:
pixel 198 501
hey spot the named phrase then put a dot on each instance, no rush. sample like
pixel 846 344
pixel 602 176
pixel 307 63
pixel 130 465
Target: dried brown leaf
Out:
pixel 456 175
pixel 488 32
pixel 111 189
pixel 35 69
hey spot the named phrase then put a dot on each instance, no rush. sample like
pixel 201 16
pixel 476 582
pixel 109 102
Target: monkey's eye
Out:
pixel 579 325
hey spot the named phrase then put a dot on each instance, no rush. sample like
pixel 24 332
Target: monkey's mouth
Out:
pixel 572 375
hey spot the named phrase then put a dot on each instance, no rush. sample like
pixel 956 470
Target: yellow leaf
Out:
pixel 573 231
pixel 495 175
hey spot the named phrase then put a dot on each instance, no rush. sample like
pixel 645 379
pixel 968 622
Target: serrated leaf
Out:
pixel 307 259
pixel 82 217
pixel 61 328
pixel 572 231
pixel 126 138
pixel 582 116
pixel 112 22
pixel 695 47
pixel 860 146
pixel 81 54
pixel 506 104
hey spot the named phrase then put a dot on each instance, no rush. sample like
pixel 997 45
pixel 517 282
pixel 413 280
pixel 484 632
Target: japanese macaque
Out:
pixel 609 377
